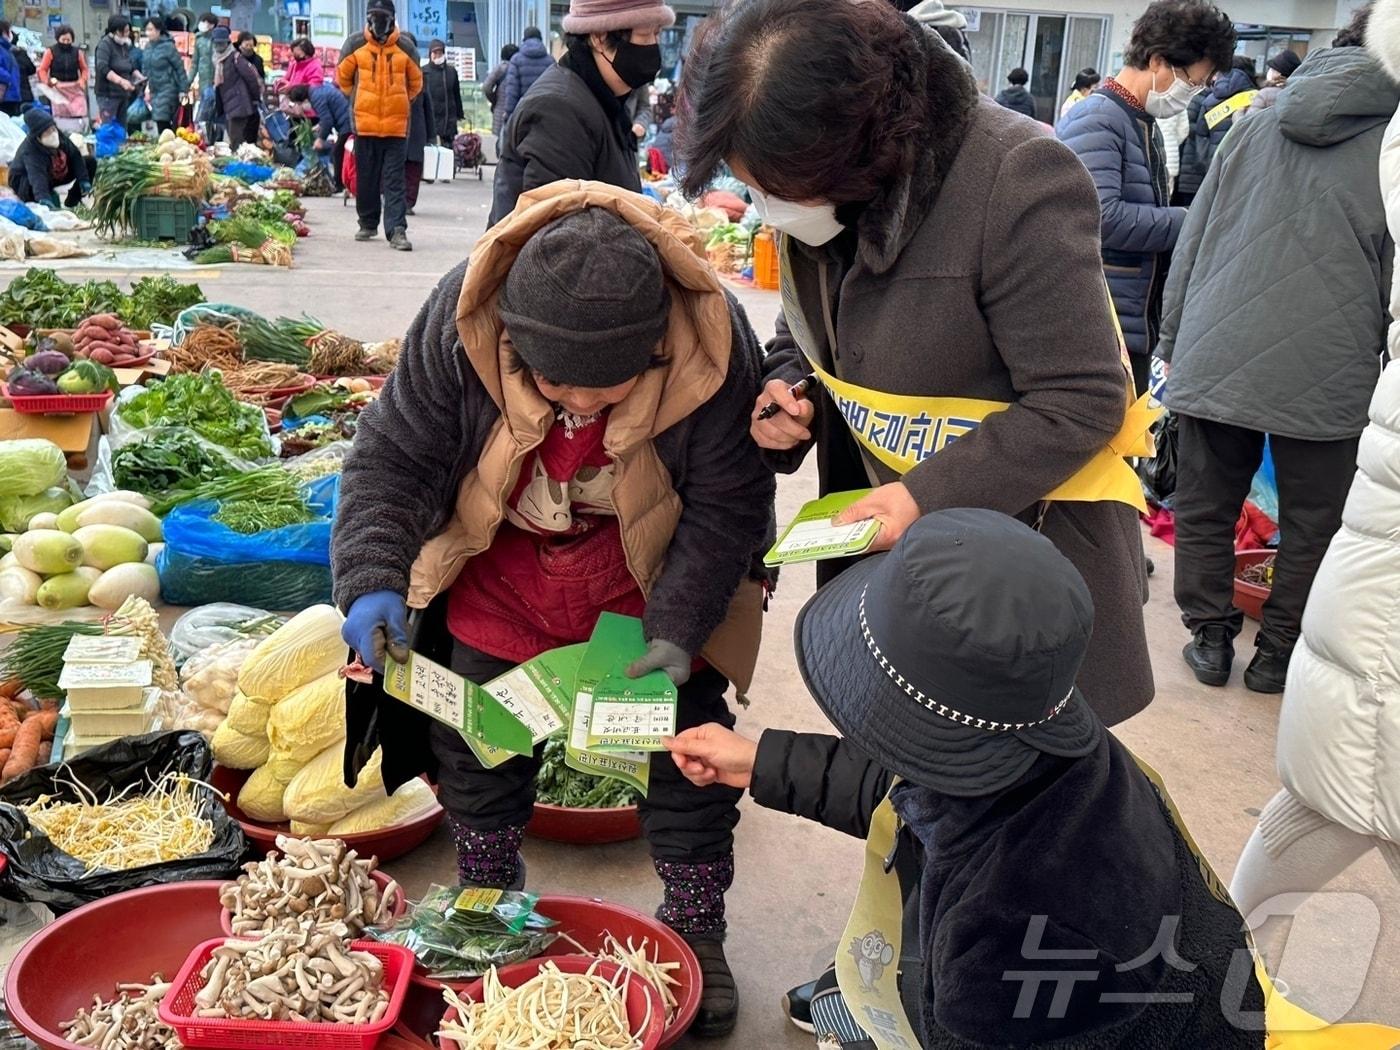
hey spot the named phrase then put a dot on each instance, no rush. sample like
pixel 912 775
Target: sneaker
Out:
pixel 412 211
pixel 719 996
pixel 1151 567
pixel 797 1005
pixel 398 241
pixel 1268 671
pixel 1210 655
pixel 363 234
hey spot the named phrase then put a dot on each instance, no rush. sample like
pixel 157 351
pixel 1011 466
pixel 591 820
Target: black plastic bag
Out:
pixel 1159 472
pixel 39 871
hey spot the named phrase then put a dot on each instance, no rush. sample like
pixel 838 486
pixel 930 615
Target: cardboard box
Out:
pixel 74 434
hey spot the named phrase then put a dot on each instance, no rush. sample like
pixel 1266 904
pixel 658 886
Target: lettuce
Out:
pixel 29 466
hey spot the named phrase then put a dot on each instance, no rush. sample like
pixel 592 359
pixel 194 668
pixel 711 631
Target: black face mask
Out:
pixel 637 64
pixel 380 26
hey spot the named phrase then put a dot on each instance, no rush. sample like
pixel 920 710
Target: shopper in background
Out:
pixel 1212 114
pixel 27 72
pixel 419 136
pixel 1174 49
pixel 379 70
pixel 64 71
pixel 949 24
pixel 494 83
pixel 304 68
pixel 1015 97
pixel 1084 83
pixel 589 355
pixel 526 66
pixel 47 160
pixel 239 90
pixel 116 68
pixel 574 122
pixel 202 84
pixel 1278 69
pixel 1339 729
pixel 444 91
pixel 10 89
pixel 247 45
pixel 1288 353
pixel 328 106
pixel 923 199
pixel 166 79
pixel 1175 131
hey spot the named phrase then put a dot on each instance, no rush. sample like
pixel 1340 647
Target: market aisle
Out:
pixel 795 881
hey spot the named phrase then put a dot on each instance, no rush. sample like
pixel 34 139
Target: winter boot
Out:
pixel 398 241
pixel 1210 654
pixel 1268 671
pixel 363 234
pixel 489 858
pixel 694 907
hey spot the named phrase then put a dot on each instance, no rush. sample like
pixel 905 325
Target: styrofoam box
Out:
pixel 88 726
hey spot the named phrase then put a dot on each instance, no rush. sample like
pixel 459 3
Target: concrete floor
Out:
pixel 795 880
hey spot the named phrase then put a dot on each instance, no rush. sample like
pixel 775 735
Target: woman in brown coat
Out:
pixel 941 274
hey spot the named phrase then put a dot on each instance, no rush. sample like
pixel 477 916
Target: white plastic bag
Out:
pixel 202 628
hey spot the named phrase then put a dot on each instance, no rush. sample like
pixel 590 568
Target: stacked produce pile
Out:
pixel 51 372
pixel 287 724
pixel 104 339
pixel 131 1021
pixel 174 168
pixel 41 299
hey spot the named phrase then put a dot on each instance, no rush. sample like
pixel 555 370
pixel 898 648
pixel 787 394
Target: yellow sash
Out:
pixel 1216 114
pixel 867 958
pixel 903 430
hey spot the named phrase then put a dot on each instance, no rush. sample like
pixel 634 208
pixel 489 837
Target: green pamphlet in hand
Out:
pixel 540 692
pixel 813 536
pixel 442 694
pixel 628 714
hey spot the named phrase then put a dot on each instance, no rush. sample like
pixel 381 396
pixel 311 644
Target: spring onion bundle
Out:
pixel 283 341
pixel 124 179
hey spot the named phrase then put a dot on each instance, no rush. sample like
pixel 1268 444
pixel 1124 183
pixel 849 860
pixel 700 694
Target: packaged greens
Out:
pixel 557 784
pixel 460 932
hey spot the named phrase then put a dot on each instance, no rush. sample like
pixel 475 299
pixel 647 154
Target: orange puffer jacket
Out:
pixel 384 81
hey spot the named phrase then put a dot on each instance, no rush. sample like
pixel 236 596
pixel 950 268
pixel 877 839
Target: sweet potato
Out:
pixel 111 322
pixel 24 755
pixel 10 689
pixel 4 757
pixel 47 719
pixel 45 753
pixel 103 355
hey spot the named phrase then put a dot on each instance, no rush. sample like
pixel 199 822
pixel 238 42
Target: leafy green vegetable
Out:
pixel 166 459
pixel 202 403
pixel 558 785
pixel 87 377
pixel 269 485
pixel 42 299
pixel 158 300
pixel 258 515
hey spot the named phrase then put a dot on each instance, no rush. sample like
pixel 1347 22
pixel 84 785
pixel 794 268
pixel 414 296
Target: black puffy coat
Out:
pixel 1081 854
pixel 1017 99
pixel 1200 146
pixel 444 91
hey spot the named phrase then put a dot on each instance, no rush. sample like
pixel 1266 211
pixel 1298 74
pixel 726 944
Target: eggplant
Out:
pixel 47 361
pixel 27 383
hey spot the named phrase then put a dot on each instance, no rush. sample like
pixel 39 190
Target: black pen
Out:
pixel 802 388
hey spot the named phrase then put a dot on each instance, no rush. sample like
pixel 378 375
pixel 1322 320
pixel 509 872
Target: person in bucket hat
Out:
pixel 1033 850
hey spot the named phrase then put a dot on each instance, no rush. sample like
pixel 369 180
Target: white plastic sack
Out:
pixel 12 135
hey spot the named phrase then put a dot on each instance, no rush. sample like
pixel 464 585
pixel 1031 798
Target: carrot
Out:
pixel 45 753
pixel 7 736
pixel 9 720
pixel 48 720
pixel 4 757
pixel 10 689
pixel 25 752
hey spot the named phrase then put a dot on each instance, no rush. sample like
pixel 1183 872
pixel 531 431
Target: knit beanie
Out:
pixel 933 13
pixel 585 302
pixel 38 120
pixel 386 6
pixel 607 16
pixel 1285 62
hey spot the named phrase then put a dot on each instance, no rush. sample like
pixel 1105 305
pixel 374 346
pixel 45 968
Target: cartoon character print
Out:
pixel 872 954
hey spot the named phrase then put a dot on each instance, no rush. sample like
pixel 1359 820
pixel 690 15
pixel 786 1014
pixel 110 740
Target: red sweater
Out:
pixel 557 561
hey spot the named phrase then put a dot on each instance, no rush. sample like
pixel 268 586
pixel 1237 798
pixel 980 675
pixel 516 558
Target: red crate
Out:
pixel 177 1009
pixel 56 404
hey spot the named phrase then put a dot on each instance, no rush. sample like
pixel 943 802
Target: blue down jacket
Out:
pixel 1122 148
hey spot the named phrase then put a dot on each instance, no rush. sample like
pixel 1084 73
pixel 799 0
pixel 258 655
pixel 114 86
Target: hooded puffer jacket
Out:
pixel 165 70
pixel 526 66
pixel 424 487
pixel 1291 348
pixel 383 79
pixel 1339 730
pixel 1200 146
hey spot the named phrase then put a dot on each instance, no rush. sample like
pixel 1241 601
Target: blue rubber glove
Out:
pixel 377 621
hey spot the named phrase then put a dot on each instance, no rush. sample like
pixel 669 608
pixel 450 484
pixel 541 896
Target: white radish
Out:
pixel 121 582
pixel 127 515
pixel 44 520
pixel 18 584
pixel 104 546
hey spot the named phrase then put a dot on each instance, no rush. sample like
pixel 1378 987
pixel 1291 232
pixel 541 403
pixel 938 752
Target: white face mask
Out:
pixel 50 139
pixel 439 59
pixel 1166 104
pixel 813 224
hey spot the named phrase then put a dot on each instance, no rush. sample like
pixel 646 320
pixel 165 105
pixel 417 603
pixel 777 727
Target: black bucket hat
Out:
pixel 951 660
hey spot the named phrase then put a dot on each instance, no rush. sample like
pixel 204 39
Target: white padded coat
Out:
pixel 1339 731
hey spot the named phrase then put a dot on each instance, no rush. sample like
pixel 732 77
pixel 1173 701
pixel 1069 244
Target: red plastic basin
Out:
pixel 383 880
pixel 89 951
pixel 584 827
pixel 588 921
pixel 645 1011
pixel 1250 597
pixel 386 843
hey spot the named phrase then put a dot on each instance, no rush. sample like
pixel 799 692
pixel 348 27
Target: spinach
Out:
pixel 202 403
pixel 167 459
pixel 557 784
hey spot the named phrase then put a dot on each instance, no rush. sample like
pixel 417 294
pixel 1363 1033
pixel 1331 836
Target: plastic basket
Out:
pixel 178 1006
pixel 164 218
pixel 57 404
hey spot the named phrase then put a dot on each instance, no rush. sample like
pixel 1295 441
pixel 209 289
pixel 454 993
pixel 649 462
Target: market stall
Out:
pixel 172 695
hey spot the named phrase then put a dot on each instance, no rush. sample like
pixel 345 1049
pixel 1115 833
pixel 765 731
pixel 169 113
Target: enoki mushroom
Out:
pixel 551 1011
pixel 165 823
